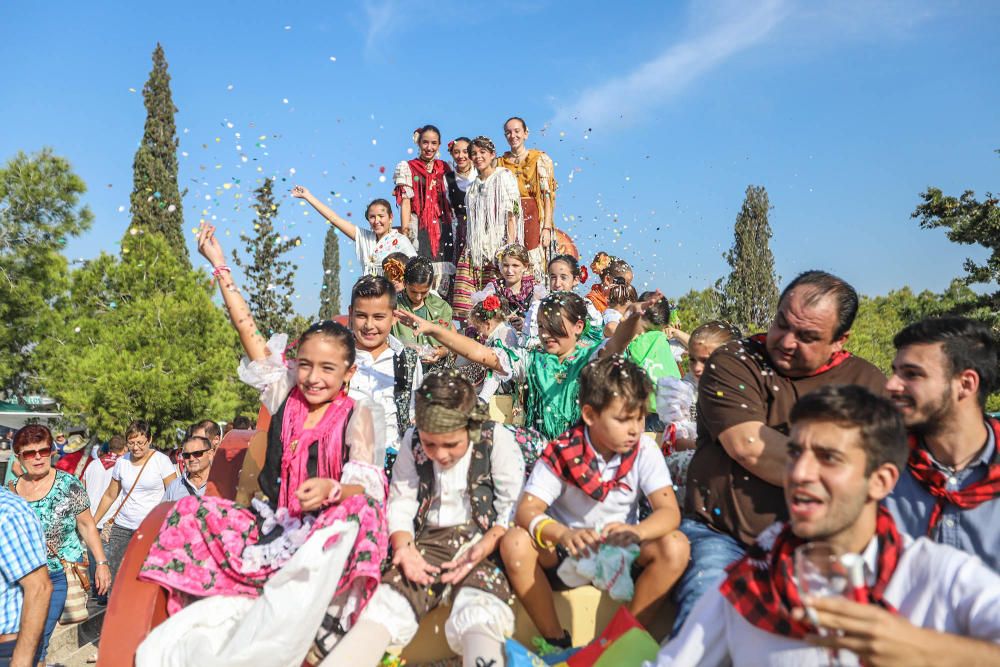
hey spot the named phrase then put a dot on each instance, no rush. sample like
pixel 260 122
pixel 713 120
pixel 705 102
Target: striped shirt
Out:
pixel 22 551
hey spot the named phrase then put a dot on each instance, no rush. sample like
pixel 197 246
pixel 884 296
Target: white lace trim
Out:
pixel 276 553
pixel 478 610
pixel 368 476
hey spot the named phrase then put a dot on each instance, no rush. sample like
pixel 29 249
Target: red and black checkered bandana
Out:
pixel 573 460
pixel 761 585
pixel 934 480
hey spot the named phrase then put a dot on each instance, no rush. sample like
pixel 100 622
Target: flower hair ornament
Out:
pixel 601 262
pixel 416 135
pixel 491 304
pixel 393 269
pixel 584 274
pixel 451 144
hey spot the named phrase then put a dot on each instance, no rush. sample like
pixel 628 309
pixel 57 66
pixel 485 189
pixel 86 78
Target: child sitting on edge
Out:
pixel 515 284
pixel 454 487
pixel 585 491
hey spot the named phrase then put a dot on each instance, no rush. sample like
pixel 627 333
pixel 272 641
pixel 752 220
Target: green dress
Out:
pixel 433 309
pixel 651 352
pixel 551 404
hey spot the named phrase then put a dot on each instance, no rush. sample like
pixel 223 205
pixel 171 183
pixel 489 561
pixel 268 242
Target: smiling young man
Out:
pixel 745 396
pixel 921 603
pixel 387 371
pixel 943 371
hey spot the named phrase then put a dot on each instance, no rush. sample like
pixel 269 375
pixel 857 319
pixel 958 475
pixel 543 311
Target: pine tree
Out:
pixel 750 293
pixel 329 297
pixel 156 199
pixel 268 277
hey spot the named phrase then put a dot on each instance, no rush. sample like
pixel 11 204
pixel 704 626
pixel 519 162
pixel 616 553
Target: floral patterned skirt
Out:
pixel 212 546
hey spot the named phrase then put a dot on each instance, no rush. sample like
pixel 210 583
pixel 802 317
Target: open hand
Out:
pixel 639 307
pixel 460 567
pixel 209 246
pixel 418 324
pixel 314 492
pixel 300 192
pixel 414 567
pixel 621 534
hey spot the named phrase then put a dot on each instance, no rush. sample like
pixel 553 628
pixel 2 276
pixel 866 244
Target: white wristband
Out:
pixel 534 523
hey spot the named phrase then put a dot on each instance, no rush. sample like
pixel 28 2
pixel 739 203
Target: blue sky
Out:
pixel 658 116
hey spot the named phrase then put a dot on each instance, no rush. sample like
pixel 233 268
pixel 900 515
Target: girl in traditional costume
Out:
pixel 310 549
pixel 422 193
pixel 620 296
pixel 454 487
pixel 551 372
pixel 564 274
pixel 418 298
pixel 515 283
pixel 462 175
pixel 495 220
pixel 371 245
pixel 537 185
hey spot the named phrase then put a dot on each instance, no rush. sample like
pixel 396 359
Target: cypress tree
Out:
pixel 156 199
pixel 329 296
pixel 750 293
pixel 268 277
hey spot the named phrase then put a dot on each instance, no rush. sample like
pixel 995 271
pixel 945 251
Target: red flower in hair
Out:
pixel 491 303
pixel 584 274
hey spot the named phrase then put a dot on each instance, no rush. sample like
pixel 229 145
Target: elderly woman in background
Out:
pixel 62 505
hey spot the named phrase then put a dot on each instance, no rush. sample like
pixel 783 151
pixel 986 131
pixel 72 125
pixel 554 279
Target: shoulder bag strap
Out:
pixel 127 495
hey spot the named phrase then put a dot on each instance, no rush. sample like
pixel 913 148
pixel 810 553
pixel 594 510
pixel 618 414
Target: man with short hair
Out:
pixel 25 586
pixel 745 396
pixel 209 430
pixel 242 423
pixel 907 601
pixel 198 455
pixel 943 372
pixel 387 371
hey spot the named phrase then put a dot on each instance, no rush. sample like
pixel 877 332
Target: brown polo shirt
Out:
pixel 739 385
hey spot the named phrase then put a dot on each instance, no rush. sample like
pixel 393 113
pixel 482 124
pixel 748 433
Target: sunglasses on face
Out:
pixel 42 453
pixel 193 455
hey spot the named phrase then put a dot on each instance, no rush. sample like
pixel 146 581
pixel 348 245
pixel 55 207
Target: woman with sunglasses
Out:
pixel 140 478
pixel 62 505
pixel 197 454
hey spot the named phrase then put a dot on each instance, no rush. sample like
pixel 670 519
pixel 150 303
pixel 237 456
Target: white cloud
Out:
pixel 656 81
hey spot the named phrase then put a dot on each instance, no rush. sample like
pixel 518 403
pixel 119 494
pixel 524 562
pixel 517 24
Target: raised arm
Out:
pixel 349 228
pixel 239 312
pixel 630 325
pixel 451 339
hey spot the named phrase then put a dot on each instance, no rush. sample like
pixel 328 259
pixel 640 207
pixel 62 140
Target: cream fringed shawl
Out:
pixel 487 204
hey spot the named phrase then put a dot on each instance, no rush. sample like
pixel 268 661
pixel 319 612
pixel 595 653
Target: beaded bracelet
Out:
pixel 217 271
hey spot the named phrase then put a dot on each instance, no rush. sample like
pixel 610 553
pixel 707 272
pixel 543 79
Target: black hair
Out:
pixel 826 284
pixel 418 271
pixel 613 376
pixel 451 144
pixel 517 118
pixel 621 293
pixel 242 423
pixel 428 128
pixel 138 427
pixel 569 260
pixel 555 306
pixel 196 438
pixel 617 268
pixel 334 330
pixel 378 202
pixel 967 345
pixel 658 313
pixel 373 287
pixel 883 436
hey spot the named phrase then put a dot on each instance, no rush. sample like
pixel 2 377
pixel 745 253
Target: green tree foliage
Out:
pixel 141 339
pixel 156 200
pixel 971 222
pixel 329 296
pixel 696 308
pixel 268 276
pixel 39 210
pixel 750 293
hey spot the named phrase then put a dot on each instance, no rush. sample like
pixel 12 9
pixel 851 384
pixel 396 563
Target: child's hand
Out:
pixel 300 192
pixel 580 541
pixel 621 534
pixel 414 567
pixel 418 324
pixel 209 246
pixel 464 564
pixel 639 307
pixel 315 491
